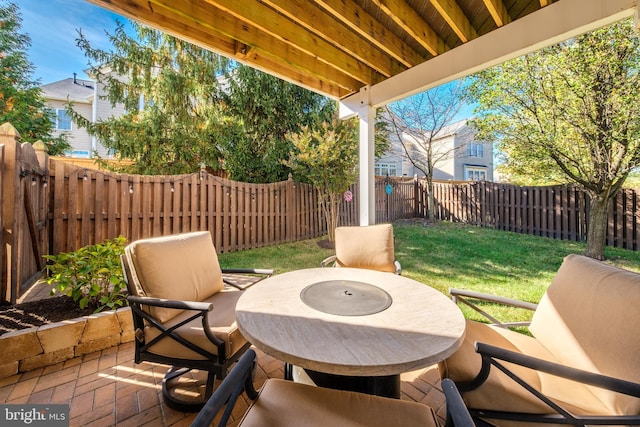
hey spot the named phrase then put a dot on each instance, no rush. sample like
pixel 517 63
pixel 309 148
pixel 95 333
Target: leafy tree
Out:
pixel 328 157
pixel 21 102
pixel 418 121
pixel 267 110
pixel 169 88
pixel 570 113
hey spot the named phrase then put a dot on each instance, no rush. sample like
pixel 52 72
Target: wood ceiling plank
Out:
pixel 288 68
pixel 317 21
pixel 498 12
pixel 256 14
pixel 267 63
pixel 456 19
pixel 360 21
pixel 544 3
pixel 411 22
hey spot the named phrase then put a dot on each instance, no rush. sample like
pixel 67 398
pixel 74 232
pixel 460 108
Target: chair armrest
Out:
pixel 461 295
pixel 166 303
pixel 457 413
pixel 238 380
pixel 325 262
pixel 266 272
pixel 457 293
pixel 489 353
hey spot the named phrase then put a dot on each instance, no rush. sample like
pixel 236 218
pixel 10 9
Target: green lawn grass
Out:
pixel 453 255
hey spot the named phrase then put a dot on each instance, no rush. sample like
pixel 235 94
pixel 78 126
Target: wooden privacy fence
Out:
pixel 558 212
pixel 51 206
pixel 23 217
pixel 90 206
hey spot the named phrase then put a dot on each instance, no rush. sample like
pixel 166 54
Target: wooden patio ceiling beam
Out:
pixel 559 21
pixel 456 19
pixel 498 12
pixel 411 22
pixel 361 22
pixel 268 21
pixel 258 53
pixel 316 21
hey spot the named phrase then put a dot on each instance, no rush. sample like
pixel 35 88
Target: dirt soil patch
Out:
pixel 38 313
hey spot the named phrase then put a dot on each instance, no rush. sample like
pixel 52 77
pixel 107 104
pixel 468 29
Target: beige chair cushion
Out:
pixel 369 247
pixel 499 391
pixel 222 320
pixel 181 267
pixel 589 318
pixel 288 404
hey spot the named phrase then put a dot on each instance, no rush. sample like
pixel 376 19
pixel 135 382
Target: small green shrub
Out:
pixel 92 275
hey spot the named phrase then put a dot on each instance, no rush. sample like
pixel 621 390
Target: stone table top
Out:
pixel 420 327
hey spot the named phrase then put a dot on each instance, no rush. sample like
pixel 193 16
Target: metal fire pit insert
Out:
pixel 345 298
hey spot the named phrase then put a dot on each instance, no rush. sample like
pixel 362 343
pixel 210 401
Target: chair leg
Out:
pixel 184 405
pixel 288 371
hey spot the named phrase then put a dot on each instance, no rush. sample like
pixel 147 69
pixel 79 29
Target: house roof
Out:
pixel 340 48
pixel 70 89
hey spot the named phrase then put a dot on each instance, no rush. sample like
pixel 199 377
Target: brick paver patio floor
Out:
pixel 107 388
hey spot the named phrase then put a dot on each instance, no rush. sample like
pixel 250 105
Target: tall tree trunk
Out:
pixel 431 208
pixel 330 204
pixel 597 227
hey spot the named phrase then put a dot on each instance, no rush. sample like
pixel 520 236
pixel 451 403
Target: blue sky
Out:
pixel 52 26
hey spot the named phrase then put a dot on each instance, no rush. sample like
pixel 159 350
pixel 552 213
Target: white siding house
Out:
pixel 464 158
pixel 86 98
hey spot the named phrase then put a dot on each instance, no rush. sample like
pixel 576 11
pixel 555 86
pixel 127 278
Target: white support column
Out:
pixel 367 116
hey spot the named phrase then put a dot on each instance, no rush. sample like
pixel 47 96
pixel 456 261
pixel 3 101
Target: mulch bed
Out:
pixel 38 313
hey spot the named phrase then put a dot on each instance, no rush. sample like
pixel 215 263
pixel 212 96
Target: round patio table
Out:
pixel 351 328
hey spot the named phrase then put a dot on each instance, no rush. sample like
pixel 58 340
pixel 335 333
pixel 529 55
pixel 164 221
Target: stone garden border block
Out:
pixel 46 345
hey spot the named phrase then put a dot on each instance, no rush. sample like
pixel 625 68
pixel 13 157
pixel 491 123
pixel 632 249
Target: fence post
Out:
pixel 9 137
pixel 292 210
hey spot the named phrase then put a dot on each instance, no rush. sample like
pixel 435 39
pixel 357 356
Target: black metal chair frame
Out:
pixel 241 379
pixel 217 365
pixel 492 355
pixel 465 297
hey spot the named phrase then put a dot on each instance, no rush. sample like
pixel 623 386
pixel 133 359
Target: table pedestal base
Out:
pixel 386 386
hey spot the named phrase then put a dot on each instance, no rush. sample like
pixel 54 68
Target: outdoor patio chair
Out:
pixel 281 403
pixel 183 314
pixel 580 366
pixel 369 247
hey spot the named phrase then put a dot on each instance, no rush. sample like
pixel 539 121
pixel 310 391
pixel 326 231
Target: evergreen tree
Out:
pixel 173 121
pixel 267 109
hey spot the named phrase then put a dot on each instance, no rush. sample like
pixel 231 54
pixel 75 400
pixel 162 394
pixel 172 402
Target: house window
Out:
pixel 475 173
pixel 475 149
pixel 385 169
pixel 80 154
pixel 62 121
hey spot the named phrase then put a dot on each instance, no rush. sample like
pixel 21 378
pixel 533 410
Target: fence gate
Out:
pixel 23 217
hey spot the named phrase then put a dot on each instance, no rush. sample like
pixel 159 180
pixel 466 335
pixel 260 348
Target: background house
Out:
pixel 86 98
pixel 467 158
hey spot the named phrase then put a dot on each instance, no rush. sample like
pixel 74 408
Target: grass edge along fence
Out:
pixel 558 212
